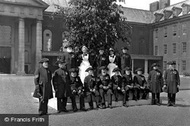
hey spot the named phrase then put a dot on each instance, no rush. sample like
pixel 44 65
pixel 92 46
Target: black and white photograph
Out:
pixel 95 62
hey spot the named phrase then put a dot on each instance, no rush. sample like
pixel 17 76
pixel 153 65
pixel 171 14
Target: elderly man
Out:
pixel 43 84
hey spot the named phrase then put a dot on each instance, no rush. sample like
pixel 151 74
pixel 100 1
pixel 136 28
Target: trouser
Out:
pixel 90 98
pixel 144 93
pixel 43 106
pixel 81 100
pixel 136 93
pixel 155 98
pixel 171 98
pixel 103 93
pixel 116 93
pixel 62 102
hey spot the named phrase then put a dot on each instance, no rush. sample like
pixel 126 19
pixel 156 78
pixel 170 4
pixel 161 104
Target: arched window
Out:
pixel 47 43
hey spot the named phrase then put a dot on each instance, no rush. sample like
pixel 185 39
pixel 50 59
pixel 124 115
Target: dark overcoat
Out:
pixel 71 60
pixel 76 83
pixel 61 83
pixel 155 81
pixel 102 60
pixel 43 84
pixel 104 80
pixel 125 61
pixel 127 80
pixel 171 80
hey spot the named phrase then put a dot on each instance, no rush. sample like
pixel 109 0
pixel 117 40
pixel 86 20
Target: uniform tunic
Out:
pixel 125 61
pixel 171 80
pixel 155 81
pixel 61 82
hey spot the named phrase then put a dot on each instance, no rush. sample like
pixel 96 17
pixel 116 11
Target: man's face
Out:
pixel 127 72
pixel 101 52
pixel 61 65
pixel 171 66
pixel 73 74
pixel 139 72
pixel 124 50
pixel 104 72
pixel 45 64
pixel 90 72
pixel 111 52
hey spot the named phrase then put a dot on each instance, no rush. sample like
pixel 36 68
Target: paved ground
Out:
pixel 16 99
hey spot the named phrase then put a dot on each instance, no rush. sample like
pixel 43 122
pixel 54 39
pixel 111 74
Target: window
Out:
pixel 184 29
pixel 165 49
pixel 174 30
pixel 165 65
pixel 183 65
pixel 184 47
pixel 174 47
pixel 47 41
pixel 165 31
pixel 156 51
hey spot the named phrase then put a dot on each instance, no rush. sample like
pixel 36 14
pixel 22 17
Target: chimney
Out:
pixel 164 4
pixel 154 6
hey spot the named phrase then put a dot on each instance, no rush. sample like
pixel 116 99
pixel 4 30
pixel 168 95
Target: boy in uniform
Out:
pixel 77 87
pixel 91 88
pixel 105 87
pixel 141 84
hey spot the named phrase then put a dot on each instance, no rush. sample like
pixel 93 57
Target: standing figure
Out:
pixel 116 80
pixel 77 87
pixel 91 88
pixel 125 59
pixel 70 58
pixel 61 83
pixel 84 63
pixel 114 61
pixel 101 60
pixel 155 82
pixel 140 85
pixel 127 85
pixel 105 87
pixel 171 83
pixel 43 84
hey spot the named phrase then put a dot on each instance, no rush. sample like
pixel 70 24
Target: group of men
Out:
pixel 99 85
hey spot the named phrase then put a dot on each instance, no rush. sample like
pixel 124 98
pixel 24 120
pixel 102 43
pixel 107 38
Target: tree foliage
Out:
pixel 95 23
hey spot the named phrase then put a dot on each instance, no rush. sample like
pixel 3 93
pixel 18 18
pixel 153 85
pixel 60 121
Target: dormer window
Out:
pixel 186 8
pixel 176 11
pixel 158 16
pixel 167 14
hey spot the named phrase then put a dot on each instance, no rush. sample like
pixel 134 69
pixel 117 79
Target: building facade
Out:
pixel 171 36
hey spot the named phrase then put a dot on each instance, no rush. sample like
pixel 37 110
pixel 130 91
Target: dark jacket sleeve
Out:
pixel 54 80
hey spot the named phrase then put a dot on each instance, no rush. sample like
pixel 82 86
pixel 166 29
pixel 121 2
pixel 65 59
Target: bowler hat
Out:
pixel 88 69
pixel 124 48
pixel 103 68
pixel 44 60
pixel 116 69
pixel 154 64
pixel 171 63
pixel 127 69
pixel 139 69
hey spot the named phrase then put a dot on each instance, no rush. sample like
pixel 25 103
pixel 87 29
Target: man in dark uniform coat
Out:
pixel 70 58
pixel 171 82
pixel 155 82
pixel 125 59
pixel 140 85
pixel 105 87
pixel 101 59
pixel 91 88
pixel 61 83
pixel 43 84
pixel 127 85
pixel 116 80
pixel 77 87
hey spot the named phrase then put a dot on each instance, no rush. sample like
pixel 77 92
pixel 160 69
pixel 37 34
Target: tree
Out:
pixel 95 23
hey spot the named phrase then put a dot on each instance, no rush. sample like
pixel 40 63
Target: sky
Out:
pixel 144 4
